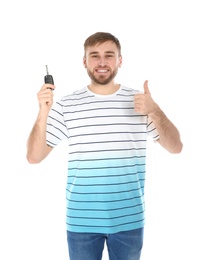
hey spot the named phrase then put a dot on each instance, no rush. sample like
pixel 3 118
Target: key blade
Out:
pixel 47 70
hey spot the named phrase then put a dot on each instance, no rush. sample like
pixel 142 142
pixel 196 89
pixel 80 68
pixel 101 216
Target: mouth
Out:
pixel 102 70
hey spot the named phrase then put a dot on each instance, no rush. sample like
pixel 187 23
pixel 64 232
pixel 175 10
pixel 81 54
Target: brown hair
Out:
pixel 101 37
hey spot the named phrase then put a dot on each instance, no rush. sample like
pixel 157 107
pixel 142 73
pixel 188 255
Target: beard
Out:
pixel 102 79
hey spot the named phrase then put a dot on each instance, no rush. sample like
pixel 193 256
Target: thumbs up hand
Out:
pixel 143 102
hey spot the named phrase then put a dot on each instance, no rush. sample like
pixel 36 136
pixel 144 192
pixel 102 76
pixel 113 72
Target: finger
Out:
pixel 48 86
pixel 45 99
pixel 146 88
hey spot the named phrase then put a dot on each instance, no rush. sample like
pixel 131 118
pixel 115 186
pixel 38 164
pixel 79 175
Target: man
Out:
pixel 106 125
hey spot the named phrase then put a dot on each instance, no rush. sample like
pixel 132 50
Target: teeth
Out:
pixel 102 70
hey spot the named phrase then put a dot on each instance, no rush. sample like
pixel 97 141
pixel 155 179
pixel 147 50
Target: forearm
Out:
pixel 37 149
pixel 169 134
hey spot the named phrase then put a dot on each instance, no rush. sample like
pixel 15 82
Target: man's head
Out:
pixel 102 57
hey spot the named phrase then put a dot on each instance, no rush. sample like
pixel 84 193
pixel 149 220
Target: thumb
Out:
pixel 146 88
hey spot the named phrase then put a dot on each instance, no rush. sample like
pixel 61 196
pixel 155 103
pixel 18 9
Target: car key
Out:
pixel 48 78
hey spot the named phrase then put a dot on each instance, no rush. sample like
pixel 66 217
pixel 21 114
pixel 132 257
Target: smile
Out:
pixel 102 70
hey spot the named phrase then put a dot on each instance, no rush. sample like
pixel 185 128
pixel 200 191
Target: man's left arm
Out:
pixel 169 134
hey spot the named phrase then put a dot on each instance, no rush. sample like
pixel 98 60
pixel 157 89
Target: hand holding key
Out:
pixel 45 95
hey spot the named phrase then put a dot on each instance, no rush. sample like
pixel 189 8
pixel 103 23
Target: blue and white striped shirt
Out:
pixel 106 161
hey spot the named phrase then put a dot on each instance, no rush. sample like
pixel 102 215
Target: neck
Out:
pixel 104 89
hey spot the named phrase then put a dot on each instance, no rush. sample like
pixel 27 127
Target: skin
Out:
pixel 102 62
pixel 37 149
pixel 169 134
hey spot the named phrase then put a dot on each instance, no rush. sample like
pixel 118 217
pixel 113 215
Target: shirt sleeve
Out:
pixel 56 129
pixel 151 130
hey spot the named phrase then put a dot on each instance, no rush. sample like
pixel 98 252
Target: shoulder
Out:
pixel 128 91
pixel 73 97
pixel 75 94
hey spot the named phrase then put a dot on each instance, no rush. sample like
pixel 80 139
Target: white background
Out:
pixel 168 43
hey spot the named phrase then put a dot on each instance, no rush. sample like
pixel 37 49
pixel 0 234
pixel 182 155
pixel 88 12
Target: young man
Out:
pixel 106 125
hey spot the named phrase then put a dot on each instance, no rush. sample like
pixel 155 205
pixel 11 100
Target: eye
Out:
pixel 109 56
pixel 94 56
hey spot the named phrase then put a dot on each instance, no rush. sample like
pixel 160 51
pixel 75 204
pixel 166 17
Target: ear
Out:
pixel 84 62
pixel 120 61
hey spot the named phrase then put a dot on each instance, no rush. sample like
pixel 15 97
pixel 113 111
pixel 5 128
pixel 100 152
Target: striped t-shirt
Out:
pixel 106 160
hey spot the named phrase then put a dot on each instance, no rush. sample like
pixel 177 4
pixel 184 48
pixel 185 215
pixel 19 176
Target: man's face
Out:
pixel 102 62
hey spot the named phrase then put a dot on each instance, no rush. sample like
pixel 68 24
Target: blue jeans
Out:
pixel 125 245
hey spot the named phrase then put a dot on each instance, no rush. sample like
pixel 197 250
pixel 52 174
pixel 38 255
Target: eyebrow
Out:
pixel 96 52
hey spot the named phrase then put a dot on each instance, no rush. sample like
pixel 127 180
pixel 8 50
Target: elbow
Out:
pixel 174 148
pixel 35 156
pixel 177 148
pixel 32 160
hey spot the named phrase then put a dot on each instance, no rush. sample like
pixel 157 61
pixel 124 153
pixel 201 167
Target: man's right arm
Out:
pixel 37 148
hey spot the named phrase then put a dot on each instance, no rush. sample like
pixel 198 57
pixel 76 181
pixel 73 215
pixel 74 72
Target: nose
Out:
pixel 102 62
